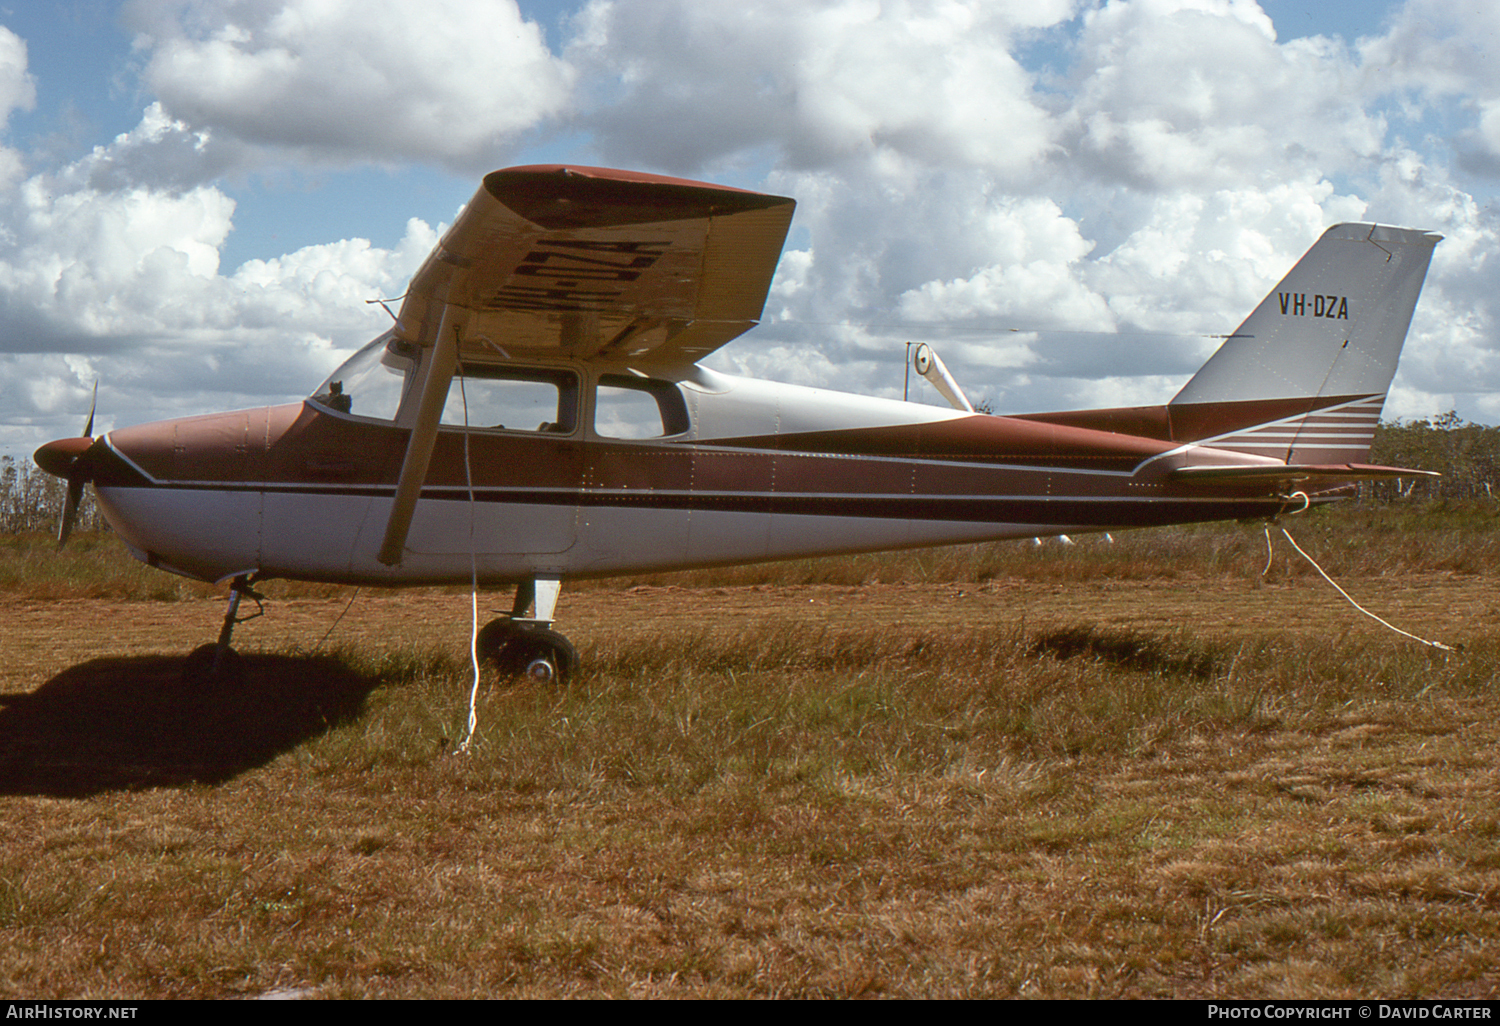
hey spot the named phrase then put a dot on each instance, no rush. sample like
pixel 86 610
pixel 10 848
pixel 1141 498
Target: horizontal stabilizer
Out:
pixel 1297 472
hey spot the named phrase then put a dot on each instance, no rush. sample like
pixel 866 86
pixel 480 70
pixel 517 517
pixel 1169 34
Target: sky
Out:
pixel 1068 198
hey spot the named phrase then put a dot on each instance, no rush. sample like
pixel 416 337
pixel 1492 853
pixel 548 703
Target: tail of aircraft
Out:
pixel 1304 378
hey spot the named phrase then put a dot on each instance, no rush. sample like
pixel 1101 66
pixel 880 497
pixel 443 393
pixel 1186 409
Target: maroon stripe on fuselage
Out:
pixel 301 444
pixel 1105 512
pixel 1111 512
pixel 301 449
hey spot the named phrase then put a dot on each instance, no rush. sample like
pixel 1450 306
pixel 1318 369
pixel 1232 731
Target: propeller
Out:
pixel 67 458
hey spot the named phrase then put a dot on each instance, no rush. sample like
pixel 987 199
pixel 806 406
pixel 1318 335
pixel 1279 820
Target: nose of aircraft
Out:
pixel 70 459
pixel 185 494
pixel 59 457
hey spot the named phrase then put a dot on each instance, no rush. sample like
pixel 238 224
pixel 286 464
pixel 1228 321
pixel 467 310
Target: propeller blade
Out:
pixel 70 508
pixel 66 458
pixel 88 429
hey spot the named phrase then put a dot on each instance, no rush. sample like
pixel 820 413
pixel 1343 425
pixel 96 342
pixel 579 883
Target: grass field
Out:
pixel 1106 770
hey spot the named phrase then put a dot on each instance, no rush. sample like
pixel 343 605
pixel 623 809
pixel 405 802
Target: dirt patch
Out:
pixel 43 638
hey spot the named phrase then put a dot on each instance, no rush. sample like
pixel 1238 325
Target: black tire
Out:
pixel 518 649
pixel 198 668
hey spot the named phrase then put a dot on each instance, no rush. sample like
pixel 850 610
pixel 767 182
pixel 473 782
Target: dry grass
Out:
pixel 1092 779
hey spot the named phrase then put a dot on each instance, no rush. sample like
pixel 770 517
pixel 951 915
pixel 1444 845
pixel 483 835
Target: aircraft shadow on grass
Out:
pixel 1125 651
pixel 127 723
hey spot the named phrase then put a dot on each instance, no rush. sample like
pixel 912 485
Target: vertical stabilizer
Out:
pixel 1310 367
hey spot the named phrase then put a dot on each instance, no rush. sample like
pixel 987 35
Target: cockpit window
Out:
pixel 373 381
pixel 512 399
pixel 638 408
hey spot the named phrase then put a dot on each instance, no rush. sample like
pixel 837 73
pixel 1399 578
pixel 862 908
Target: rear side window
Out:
pixel 512 399
pixel 636 408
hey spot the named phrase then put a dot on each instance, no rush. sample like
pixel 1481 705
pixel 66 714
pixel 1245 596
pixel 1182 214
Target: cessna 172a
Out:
pixel 538 413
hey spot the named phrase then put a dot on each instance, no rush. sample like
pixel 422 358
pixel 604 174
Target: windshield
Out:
pixel 372 382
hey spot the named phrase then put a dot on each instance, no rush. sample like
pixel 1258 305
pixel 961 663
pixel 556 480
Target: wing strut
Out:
pixel 440 367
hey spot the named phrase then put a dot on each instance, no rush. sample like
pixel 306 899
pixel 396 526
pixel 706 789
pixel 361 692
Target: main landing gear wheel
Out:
pixel 527 651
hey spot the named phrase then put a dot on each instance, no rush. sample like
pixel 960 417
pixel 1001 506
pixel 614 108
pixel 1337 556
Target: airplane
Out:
pixel 538 413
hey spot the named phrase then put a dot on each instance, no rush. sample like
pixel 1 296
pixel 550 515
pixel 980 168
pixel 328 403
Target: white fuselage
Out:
pixel 763 471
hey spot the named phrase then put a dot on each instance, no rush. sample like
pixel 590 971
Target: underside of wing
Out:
pixel 595 264
pixel 1293 473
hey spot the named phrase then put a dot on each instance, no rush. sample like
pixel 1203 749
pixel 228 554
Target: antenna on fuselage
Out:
pixel 383 306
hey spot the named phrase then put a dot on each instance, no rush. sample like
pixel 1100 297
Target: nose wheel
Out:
pixel 219 662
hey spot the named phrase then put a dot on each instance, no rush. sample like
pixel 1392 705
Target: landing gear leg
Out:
pixel 219 661
pixel 526 646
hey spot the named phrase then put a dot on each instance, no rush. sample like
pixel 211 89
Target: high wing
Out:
pixel 585 263
pixel 591 263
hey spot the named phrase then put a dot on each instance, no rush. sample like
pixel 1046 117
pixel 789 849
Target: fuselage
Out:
pixel 615 472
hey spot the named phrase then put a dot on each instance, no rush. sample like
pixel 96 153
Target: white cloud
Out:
pixel 1032 279
pixel 327 287
pixel 17 87
pixel 353 80
pixel 107 266
pixel 17 92
pixel 1194 94
pixel 160 152
pixel 1444 53
pixel 131 278
pixel 826 83
pixel 1439 47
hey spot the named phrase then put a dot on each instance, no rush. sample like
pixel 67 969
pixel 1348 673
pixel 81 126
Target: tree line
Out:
pixel 32 500
pixel 1466 454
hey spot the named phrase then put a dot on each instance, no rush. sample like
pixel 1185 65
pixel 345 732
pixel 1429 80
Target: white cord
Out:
pixel 1306 502
pixel 1356 605
pixel 463 746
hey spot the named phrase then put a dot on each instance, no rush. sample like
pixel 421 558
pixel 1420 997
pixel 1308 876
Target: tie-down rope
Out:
pixel 1306 502
pixel 463 746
